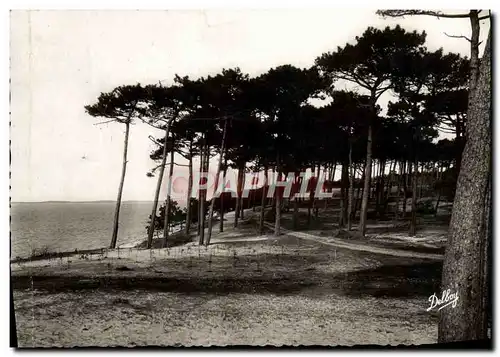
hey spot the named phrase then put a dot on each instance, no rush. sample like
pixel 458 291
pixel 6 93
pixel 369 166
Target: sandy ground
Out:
pixel 297 293
pixel 244 289
pixel 162 318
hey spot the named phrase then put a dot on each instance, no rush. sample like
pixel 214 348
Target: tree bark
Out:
pixel 263 200
pixel 221 223
pixel 168 200
pixel 311 198
pixel 466 267
pixel 351 189
pixel 295 204
pixel 239 184
pixel 158 188
pixel 189 191
pixel 408 174
pixel 242 199
pixel 114 236
pixel 366 188
pixel 344 179
pixel 474 50
pixel 413 223
pixel 201 206
pixel 200 193
pixel 274 179
pixel 398 194
pixel 359 193
pixel 390 181
pixel 277 222
pixel 315 205
pixel 217 176
pixel 206 166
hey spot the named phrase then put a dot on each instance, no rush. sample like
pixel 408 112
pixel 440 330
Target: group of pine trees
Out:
pixel 269 122
pixel 290 120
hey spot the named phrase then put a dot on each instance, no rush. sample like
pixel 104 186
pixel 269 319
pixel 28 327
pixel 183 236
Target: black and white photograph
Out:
pixel 251 177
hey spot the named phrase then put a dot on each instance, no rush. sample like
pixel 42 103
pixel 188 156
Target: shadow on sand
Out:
pixel 404 280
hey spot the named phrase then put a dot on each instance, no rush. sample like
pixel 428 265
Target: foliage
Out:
pixel 177 215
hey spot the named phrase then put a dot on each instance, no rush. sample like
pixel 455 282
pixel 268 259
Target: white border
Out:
pixel 155 4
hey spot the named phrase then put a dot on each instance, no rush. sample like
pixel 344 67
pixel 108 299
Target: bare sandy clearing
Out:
pixel 290 291
pixel 142 318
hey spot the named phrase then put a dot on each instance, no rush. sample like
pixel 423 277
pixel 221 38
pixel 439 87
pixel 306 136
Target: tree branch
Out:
pixel 351 77
pixel 402 13
pixel 461 36
pixel 166 164
pixel 106 122
pixel 150 137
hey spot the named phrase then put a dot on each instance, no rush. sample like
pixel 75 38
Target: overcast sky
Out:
pixel 62 60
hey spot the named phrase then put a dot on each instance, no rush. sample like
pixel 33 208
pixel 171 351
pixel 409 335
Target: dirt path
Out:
pixel 359 247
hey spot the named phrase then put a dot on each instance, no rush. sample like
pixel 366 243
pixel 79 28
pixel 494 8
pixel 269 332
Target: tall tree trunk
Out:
pixel 242 196
pixel 295 204
pixel 390 181
pixel 344 179
pixel 263 200
pixel 158 188
pixel 201 207
pixel 420 181
pixel 408 174
pixel 274 179
pixel 239 184
pixel 366 188
pixel 459 141
pixel 221 223
pixel 200 193
pixel 398 194
pixel 379 186
pixel 359 192
pixel 466 267
pixel 206 166
pixel 373 180
pixel 315 205
pixel 217 176
pixel 252 192
pixel 351 189
pixel 474 51
pixel 189 213
pixel 114 236
pixel 168 201
pixel 277 222
pixel 409 171
pixel 252 203
pixel 311 199
pixel 413 223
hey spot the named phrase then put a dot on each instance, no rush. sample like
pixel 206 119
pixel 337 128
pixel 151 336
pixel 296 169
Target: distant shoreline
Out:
pixel 99 201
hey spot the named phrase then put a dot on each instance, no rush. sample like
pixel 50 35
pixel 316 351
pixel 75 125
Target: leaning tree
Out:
pixel 163 106
pixel 121 106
